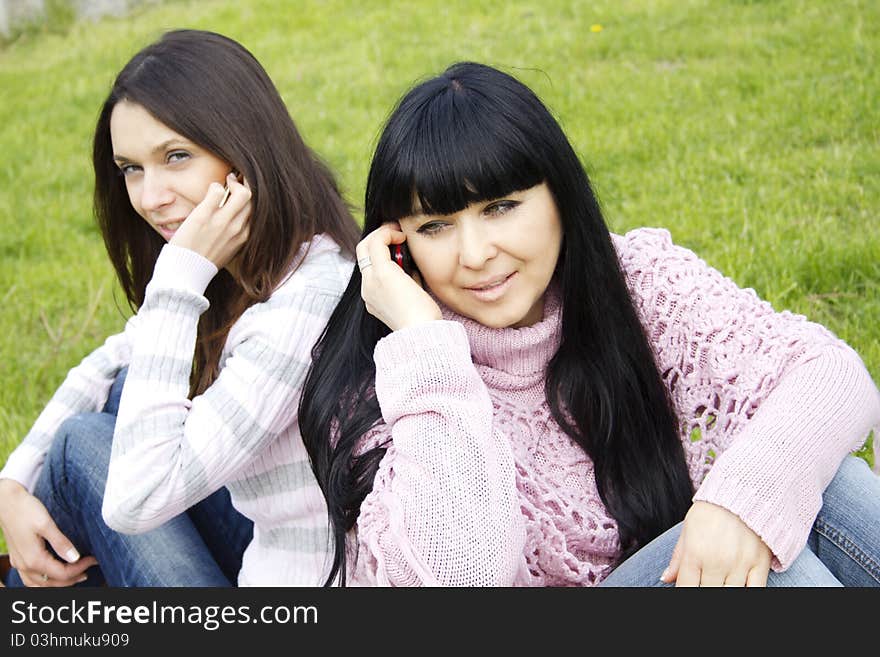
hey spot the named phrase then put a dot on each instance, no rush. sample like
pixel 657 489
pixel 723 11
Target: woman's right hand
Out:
pixel 218 233
pixel 390 294
pixel 27 527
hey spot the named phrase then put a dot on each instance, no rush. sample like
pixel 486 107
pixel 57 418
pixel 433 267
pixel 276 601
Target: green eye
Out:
pixel 500 207
pixel 431 228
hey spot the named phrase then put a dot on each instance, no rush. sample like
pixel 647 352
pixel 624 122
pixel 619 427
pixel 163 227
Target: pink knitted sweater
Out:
pixel 480 486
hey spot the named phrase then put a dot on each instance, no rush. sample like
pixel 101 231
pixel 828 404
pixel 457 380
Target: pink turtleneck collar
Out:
pixel 522 352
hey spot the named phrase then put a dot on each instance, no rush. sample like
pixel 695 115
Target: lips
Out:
pixel 168 228
pixel 493 288
pixel 490 283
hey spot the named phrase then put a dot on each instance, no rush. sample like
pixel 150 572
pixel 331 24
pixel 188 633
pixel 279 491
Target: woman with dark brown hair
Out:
pixel 232 244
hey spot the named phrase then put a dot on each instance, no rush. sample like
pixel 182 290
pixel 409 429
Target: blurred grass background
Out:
pixel 749 129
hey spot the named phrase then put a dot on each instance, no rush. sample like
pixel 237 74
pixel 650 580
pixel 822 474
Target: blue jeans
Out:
pixel 843 548
pixel 202 547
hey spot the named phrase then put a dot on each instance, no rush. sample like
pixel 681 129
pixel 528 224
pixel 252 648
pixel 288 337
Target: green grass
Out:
pixel 749 129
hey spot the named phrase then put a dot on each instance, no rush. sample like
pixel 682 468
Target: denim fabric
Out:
pixel 843 548
pixel 202 547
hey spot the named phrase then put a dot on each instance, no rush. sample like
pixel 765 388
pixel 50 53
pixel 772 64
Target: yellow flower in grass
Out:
pixel 596 28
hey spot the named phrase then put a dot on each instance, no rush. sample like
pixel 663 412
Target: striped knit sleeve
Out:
pixel 84 390
pixel 444 508
pixel 169 452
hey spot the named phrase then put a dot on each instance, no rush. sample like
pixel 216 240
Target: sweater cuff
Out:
pixel 774 473
pixel 24 466
pixel 182 269
pixel 432 347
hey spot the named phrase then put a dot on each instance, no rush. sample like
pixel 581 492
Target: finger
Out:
pixel 62 545
pixel 236 197
pixel 688 574
pixel 378 247
pixel 49 566
pixel 671 572
pixel 378 250
pixel 736 578
pixel 215 193
pixel 394 226
pixel 711 578
pixel 44 581
pixel 395 232
pixel 758 577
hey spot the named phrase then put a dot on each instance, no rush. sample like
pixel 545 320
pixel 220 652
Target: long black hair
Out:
pixel 472 134
pixel 212 90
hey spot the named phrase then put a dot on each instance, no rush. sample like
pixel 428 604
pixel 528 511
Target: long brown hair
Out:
pixel 211 90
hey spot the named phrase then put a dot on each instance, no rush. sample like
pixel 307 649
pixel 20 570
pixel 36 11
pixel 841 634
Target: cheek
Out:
pixel 435 264
pixel 134 197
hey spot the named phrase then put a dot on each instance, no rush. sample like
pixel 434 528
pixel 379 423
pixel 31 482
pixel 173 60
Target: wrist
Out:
pixel 421 318
pixel 10 487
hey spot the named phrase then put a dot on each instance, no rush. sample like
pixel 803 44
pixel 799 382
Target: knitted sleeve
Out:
pixel 769 403
pixel 84 390
pixel 444 508
pixel 170 452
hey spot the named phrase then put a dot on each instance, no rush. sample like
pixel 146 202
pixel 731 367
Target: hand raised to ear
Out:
pixel 390 294
pixel 218 227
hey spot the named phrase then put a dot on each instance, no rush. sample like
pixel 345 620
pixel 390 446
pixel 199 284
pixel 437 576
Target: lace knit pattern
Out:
pixel 470 494
pixel 721 349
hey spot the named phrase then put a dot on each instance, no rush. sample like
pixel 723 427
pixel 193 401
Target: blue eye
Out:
pixel 128 169
pixel 177 156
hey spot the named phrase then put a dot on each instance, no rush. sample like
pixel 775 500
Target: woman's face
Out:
pixel 492 261
pixel 166 174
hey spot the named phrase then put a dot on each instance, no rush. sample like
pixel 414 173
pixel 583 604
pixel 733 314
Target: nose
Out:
pixel 155 191
pixel 476 245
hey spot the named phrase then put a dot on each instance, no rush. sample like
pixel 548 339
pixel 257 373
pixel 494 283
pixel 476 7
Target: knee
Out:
pixel 807 570
pixel 853 481
pixel 82 443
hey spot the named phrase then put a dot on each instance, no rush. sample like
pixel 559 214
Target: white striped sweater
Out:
pixel 242 432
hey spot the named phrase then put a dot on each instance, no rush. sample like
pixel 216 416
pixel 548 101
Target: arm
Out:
pixel 25 522
pixel 778 401
pixel 84 390
pixel 444 507
pixel 170 452
pixel 773 474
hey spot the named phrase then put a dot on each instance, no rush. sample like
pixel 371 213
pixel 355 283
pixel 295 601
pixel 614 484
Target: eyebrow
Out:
pixel 157 149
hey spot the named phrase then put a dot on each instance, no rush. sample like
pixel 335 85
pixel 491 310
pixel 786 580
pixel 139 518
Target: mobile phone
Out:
pixel 226 191
pixel 400 254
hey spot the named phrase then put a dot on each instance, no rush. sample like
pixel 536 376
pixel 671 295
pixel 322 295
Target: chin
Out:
pixel 498 320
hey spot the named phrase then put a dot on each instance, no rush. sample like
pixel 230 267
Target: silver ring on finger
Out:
pixel 44 578
pixel 364 262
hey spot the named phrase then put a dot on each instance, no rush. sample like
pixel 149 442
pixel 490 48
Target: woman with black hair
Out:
pixel 233 244
pixel 532 400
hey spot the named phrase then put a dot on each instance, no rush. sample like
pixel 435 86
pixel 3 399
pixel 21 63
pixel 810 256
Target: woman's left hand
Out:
pixel 218 233
pixel 716 548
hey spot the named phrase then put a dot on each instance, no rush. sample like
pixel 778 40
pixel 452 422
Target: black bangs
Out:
pixel 456 147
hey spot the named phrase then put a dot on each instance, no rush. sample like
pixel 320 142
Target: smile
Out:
pixel 494 289
pixel 168 229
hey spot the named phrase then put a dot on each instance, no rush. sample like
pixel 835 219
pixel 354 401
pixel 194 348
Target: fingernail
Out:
pixel 71 555
pixel 664 575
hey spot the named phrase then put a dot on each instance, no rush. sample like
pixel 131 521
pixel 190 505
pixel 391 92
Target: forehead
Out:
pixel 134 131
